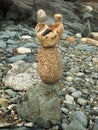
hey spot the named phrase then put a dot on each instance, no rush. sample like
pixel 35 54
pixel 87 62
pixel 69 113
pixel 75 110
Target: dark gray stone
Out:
pixel 74 125
pixel 41 105
pixel 80 117
pixel 70 107
pixel 31 45
pixel 1 74
pixel 16 58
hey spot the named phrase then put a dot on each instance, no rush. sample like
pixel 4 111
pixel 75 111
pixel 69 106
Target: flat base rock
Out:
pixel 41 105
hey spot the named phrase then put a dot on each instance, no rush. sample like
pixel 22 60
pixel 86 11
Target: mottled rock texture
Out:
pixel 41 105
pixel 21 76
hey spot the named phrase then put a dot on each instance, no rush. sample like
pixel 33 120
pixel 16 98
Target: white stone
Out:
pixel 20 124
pixel 88 8
pixel 11 106
pixel 95 108
pixel 21 76
pixel 29 124
pixel 70 79
pixel 69 99
pixel 23 50
pixel 26 37
pixel 83 39
pixel 78 35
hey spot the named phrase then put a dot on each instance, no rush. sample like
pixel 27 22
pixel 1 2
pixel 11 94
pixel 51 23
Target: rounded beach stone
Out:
pixel 49 65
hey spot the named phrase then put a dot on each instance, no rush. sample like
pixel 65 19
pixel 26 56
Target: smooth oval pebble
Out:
pixel 29 124
pixel 23 50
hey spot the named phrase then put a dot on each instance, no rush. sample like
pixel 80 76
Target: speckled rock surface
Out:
pixel 50 65
pixel 21 76
pixel 41 105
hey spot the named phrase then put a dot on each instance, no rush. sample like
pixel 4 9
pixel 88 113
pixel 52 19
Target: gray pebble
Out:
pixel 10 92
pixel 2 44
pixel 64 126
pixel 74 125
pixel 82 101
pixel 16 58
pixel 31 45
pixel 70 107
pixel 1 74
pixel 77 94
pixel 64 110
pixel 80 117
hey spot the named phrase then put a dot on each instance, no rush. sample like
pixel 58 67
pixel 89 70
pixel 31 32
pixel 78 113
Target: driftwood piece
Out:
pixel 90 41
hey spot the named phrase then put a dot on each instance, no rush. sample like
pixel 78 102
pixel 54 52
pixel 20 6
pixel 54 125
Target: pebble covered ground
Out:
pixel 79 82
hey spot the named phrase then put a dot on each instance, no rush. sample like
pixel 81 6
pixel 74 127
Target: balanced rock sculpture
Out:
pixel 86 30
pixel 49 58
pixel 41 103
pixel 49 35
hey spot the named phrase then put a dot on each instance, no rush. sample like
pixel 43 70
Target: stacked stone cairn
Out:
pixel 41 104
pixel 49 58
